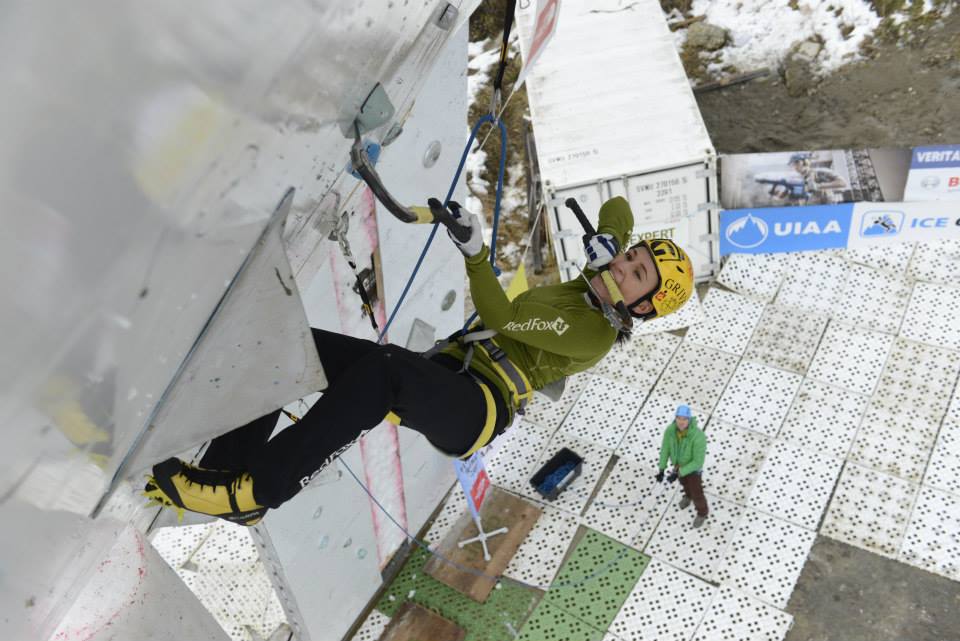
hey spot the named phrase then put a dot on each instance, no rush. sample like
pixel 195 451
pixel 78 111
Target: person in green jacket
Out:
pixel 459 396
pixel 685 445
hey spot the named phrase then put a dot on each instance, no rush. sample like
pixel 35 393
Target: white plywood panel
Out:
pixel 539 556
pixel 795 484
pixel 603 412
pixel 697 375
pixel 943 471
pixel 765 557
pixel 630 503
pixel 870 510
pixel 936 261
pixel 814 281
pixel 548 413
pixel 931 541
pixel 873 299
pixel 892 259
pixel 757 276
pixel 787 338
pixel 823 419
pixel 898 442
pixel 733 461
pixel 758 397
pixel 516 454
pixel 699 551
pixel 729 322
pixel 574 497
pixel 734 616
pixel 931 316
pixel 640 362
pixel 850 358
pixel 918 377
pixel 665 604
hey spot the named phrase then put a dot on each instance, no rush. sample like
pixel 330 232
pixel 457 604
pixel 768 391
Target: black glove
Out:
pixel 660 476
pixel 672 476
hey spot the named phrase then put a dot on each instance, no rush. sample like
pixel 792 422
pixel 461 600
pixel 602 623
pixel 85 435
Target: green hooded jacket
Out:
pixel 548 332
pixel 686 453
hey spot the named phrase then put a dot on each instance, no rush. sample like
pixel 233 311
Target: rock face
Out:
pixel 799 74
pixel 706 37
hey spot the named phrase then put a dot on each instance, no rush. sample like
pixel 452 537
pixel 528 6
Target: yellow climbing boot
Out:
pixel 224 494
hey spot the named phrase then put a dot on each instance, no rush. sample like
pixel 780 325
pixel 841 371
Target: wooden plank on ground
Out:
pixel 415 623
pixel 501 509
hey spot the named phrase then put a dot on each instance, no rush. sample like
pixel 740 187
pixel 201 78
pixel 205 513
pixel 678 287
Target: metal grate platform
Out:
pixel 765 557
pixel 666 604
pixel 823 419
pixel 729 321
pixel 870 510
pixel 372 627
pixel 787 338
pixel 795 484
pixel 758 397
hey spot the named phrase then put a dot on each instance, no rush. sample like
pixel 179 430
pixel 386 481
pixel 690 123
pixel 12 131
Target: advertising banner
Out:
pixel 934 174
pixel 803 178
pixel 474 481
pixel 854 226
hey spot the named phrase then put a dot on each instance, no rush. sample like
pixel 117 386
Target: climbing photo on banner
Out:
pixel 825 177
pixel 934 173
pixel 474 481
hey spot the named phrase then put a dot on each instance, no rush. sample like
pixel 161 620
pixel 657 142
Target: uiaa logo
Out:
pixel 747 232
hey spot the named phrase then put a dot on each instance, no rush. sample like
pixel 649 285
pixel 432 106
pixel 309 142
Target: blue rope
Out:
pixel 433 232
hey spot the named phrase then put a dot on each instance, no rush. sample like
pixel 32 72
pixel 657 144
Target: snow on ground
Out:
pixel 481 60
pixel 763 31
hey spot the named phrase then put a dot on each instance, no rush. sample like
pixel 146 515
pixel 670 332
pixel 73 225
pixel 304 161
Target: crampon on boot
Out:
pixel 224 494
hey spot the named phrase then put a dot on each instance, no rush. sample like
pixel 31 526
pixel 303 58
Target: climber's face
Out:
pixel 635 274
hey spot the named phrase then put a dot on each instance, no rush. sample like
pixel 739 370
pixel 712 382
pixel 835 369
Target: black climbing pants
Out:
pixel 365 381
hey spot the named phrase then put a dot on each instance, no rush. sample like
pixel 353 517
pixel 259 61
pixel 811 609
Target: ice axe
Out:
pixel 608 281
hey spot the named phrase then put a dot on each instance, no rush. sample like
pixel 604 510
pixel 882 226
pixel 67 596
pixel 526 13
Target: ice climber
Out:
pixel 460 396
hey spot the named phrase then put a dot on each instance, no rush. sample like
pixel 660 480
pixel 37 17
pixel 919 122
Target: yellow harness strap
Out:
pixel 485 434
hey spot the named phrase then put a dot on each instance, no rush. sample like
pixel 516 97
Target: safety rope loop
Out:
pixel 433 232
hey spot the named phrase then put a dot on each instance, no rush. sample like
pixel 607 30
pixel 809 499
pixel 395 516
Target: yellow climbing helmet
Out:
pixel 676 277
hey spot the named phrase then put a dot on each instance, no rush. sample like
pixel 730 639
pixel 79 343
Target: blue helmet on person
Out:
pixel 683 411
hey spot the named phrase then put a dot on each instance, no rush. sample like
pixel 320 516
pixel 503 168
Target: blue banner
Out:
pixel 784 229
pixel 935 157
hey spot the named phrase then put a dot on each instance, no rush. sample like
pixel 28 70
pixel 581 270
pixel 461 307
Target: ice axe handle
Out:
pixel 443 216
pixel 589 231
